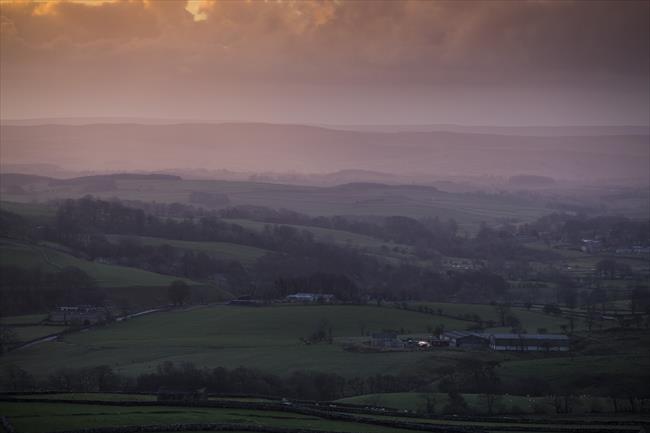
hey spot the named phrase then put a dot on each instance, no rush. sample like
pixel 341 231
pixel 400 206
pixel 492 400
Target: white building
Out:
pixel 311 297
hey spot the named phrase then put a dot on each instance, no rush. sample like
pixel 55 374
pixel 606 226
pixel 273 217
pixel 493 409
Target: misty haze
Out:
pixel 324 216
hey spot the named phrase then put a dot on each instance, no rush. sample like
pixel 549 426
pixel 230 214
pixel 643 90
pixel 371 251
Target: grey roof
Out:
pixel 461 334
pixel 531 336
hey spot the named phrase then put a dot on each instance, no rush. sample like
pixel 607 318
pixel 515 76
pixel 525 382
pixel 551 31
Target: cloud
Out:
pixel 596 44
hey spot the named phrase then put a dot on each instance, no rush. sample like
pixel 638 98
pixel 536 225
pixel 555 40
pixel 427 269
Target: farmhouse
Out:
pixel 385 339
pixel 466 339
pixel 311 297
pixel 79 315
pixel 529 342
pixel 591 246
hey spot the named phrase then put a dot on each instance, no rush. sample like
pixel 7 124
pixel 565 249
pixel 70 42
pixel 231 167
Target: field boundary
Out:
pixel 361 414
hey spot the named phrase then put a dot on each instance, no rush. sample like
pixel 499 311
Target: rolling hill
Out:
pixel 273 147
pixel 468 209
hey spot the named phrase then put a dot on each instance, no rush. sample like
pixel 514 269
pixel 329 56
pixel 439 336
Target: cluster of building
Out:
pixel 634 249
pixel 476 341
pixel 592 246
pixel 79 315
pixel 507 341
pixel 308 298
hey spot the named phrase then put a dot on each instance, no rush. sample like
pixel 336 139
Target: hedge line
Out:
pixel 336 412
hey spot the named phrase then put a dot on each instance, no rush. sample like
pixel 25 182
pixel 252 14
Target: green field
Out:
pixel 531 321
pixel 267 338
pixel 321 234
pixel 219 250
pixel 367 244
pixel 29 333
pixel 49 417
pixel 38 213
pixel 43 417
pixel 505 404
pixel 14 253
pixel 85 396
pixel 30 319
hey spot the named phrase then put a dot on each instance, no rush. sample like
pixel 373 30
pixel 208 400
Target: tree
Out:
pixel 570 296
pixel 14 378
pixel 610 269
pixel 503 312
pixel 179 292
pixel 7 338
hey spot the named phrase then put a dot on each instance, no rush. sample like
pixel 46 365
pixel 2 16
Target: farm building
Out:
pixel 311 297
pixel 385 339
pixel 79 315
pixel 530 342
pixel 466 339
pixel 246 301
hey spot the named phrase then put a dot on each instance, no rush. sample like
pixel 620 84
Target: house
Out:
pixel 79 315
pixel 323 298
pixel 385 339
pixel 591 246
pixel 466 339
pixel 530 342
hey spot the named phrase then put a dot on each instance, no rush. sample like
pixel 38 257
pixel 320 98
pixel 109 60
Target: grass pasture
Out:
pixel 38 213
pixel 267 338
pixel 29 333
pixel 40 417
pixel 504 404
pixel 29 319
pixel 14 253
pixel 219 250
pixel 531 320
pixel 321 234
pixel 46 417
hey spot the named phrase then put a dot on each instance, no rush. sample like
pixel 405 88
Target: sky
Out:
pixel 484 62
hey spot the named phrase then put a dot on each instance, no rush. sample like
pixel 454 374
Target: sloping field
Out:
pixel 14 253
pixel 340 237
pixel 267 338
pixel 531 321
pixel 37 213
pixel 220 250
pixel 505 404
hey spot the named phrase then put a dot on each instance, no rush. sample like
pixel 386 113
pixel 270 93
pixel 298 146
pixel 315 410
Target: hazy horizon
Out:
pixel 443 88
pixel 333 63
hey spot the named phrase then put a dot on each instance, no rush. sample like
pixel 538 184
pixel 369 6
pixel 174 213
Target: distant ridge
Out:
pixel 527 130
pixel 538 131
pixel 263 148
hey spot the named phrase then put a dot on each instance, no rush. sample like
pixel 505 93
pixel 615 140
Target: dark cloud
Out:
pixel 436 47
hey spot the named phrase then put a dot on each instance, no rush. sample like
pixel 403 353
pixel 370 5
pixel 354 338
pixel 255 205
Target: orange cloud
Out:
pixel 322 43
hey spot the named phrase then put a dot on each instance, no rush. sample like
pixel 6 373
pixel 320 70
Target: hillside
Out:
pixel 263 147
pixel 14 253
pixel 468 209
pixel 220 250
